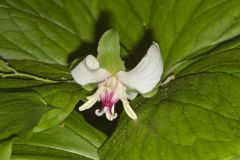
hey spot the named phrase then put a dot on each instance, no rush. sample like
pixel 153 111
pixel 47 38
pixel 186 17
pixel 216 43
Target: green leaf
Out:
pixel 73 140
pixel 195 117
pixel 79 12
pixel 224 47
pixel 8 83
pixel 109 52
pixel 62 96
pixel 20 112
pixel 186 32
pixel 46 31
pixel 121 15
pixel 5 149
pixel 226 61
pixel 40 107
pixel 181 32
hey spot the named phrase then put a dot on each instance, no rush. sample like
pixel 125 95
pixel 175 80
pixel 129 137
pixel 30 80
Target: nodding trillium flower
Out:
pixel 114 87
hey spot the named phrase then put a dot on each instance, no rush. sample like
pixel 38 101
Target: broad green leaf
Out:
pixel 121 16
pixel 78 124
pixel 109 52
pixel 224 47
pixel 43 30
pixel 62 96
pixel 228 45
pixel 8 83
pixel 73 140
pixel 186 29
pixel 80 12
pixel 226 61
pixel 19 112
pixel 183 29
pixel 142 9
pixel 39 107
pixel 5 149
pixel 195 117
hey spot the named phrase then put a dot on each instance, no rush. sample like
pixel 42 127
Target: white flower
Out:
pixel 112 88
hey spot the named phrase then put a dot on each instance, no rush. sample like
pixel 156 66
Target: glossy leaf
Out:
pixel 8 83
pixel 185 32
pixel 224 47
pixel 196 117
pixel 122 16
pixel 49 104
pixel 20 112
pixel 79 12
pixel 74 139
pixel 42 30
pixel 62 96
pixel 226 61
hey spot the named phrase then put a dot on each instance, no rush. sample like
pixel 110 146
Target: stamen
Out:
pixel 106 110
pixel 110 116
pixel 99 112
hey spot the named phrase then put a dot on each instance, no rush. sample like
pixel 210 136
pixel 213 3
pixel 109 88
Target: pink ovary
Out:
pixel 108 100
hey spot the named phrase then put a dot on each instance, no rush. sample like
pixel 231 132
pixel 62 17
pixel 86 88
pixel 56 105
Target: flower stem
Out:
pixel 18 74
pixel 14 73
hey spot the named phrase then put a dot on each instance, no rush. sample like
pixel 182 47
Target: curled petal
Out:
pixel 88 71
pixel 126 106
pixel 99 112
pixel 91 100
pixel 128 109
pixel 88 104
pixel 146 74
pixel 92 62
pixel 109 114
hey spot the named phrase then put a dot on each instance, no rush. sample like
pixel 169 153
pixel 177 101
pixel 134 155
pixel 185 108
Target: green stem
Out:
pixel 16 74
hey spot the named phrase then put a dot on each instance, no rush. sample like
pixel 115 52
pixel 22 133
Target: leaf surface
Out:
pixel 67 141
pixel 194 117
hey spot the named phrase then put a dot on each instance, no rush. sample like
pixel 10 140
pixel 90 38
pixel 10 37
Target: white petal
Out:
pixel 132 95
pixel 91 100
pixel 88 104
pixel 88 71
pixel 128 109
pixel 126 106
pixel 146 74
pixel 111 116
pixel 107 112
pixel 100 113
pixel 92 62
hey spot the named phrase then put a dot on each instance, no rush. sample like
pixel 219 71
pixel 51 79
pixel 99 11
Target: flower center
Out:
pixel 109 97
